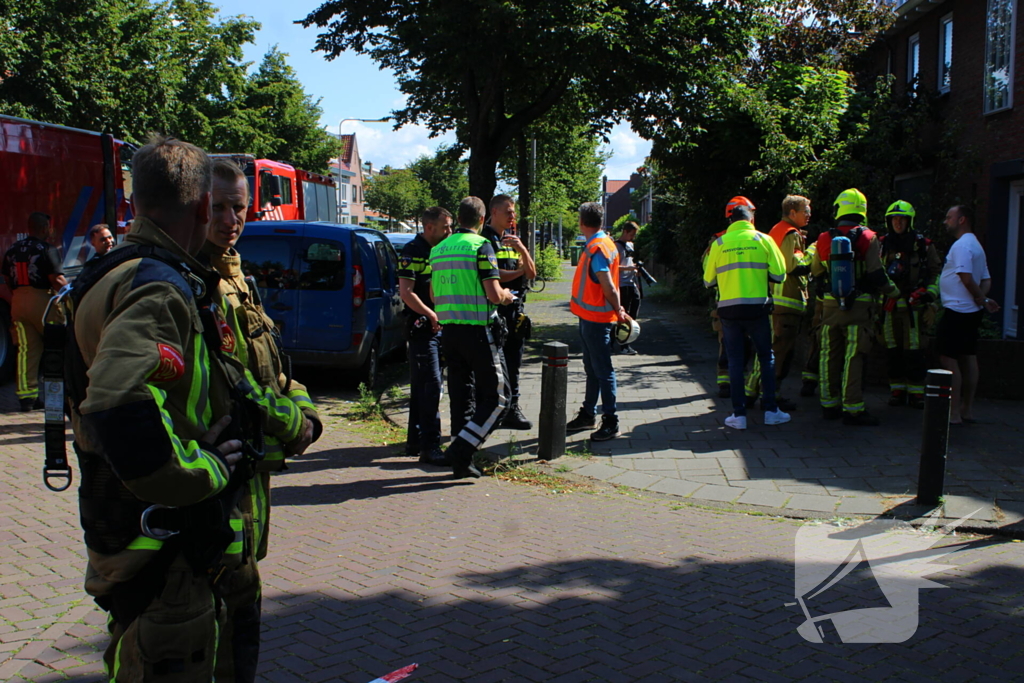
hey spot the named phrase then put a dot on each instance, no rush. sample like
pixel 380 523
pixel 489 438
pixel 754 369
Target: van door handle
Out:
pixel 281 307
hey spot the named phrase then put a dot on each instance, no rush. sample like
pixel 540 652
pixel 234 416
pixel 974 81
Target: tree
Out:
pixel 444 176
pixel 398 194
pixel 490 69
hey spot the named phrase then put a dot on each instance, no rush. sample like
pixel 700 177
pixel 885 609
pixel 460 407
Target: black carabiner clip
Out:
pixel 57 474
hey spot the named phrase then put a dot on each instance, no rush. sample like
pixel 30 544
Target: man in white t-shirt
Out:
pixel 964 286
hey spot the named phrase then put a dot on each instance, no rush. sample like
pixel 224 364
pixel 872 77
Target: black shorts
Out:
pixel 958 333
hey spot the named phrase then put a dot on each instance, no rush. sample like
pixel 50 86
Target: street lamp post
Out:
pixel 380 120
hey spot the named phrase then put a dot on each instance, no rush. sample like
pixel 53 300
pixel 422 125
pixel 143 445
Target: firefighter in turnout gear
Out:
pixel 258 350
pixel 516 266
pixel 913 264
pixel 789 297
pixel 466 291
pixel 848 316
pixel 32 269
pixel 168 430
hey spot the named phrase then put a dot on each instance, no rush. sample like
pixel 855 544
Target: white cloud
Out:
pixel 629 151
pixel 383 146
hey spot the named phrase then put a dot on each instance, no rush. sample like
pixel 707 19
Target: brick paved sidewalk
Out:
pixel 376 563
pixel 674 440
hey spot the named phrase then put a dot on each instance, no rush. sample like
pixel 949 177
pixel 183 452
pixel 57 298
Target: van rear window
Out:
pixel 269 261
pixel 323 266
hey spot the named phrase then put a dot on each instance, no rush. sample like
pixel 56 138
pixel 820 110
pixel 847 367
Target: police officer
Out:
pixel 155 363
pixel 848 324
pixel 914 266
pixel 259 352
pixel 516 266
pixel 465 289
pixel 32 269
pixel 789 297
pixel 423 438
pixel 741 265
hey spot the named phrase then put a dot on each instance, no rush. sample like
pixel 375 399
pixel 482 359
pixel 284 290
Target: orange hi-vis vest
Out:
pixel 588 300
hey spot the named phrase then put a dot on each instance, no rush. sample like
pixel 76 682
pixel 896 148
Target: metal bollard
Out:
pixel 553 386
pixel 935 439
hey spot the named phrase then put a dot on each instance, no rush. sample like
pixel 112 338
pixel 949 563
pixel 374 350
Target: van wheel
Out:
pixel 368 373
pixel 8 351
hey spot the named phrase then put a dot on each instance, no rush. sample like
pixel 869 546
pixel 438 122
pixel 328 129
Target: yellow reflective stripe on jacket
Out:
pixel 145 543
pixel 301 399
pixel 282 418
pixel 190 456
pixel 788 302
pixel 236 546
pixel 199 410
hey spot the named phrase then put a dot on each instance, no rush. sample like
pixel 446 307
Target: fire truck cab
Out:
pixel 281 192
pixel 78 177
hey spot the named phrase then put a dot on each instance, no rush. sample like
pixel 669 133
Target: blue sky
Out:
pixel 352 86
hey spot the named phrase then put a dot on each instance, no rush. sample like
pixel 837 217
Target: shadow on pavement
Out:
pixel 619 620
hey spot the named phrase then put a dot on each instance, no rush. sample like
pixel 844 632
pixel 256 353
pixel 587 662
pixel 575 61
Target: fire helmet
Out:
pixel 738 201
pixel 901 208
pixel 851 202
pixel 627 332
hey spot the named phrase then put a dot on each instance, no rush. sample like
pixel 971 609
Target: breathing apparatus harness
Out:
pixel 111 514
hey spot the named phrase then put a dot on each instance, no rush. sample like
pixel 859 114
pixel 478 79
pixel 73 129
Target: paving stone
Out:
pixel 602 472
pixel 955 507
pixel 715 492
pixel 772 499
pixel 675 487
pixel 861 506
pixel 803 501
pixel 637 480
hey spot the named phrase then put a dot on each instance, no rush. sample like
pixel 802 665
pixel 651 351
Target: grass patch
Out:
pixel 580 450
pixel 517 473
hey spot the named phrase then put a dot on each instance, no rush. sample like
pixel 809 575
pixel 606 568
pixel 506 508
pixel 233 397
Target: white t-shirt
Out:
pixel 965 256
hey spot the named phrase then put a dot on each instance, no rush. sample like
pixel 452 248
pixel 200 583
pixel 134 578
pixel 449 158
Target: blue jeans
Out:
pixel 597 361
pixel 734 333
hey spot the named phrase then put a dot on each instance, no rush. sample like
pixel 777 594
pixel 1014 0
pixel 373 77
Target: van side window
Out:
pixel 387 271
pixel 324 266
pixel 270 262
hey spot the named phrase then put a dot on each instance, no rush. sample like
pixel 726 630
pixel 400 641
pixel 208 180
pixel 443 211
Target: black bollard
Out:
pixel 553 386
pixel 935 439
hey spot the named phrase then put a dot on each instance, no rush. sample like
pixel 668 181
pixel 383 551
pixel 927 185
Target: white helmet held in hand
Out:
pixel 627 332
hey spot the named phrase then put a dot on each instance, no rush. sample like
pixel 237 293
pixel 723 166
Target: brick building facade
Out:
pixel 971 52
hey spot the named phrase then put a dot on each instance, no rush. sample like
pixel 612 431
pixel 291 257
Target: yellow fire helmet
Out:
pixel 851 202
pixel 900 208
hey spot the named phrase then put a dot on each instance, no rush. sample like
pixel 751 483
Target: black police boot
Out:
pixel 808 388
pixel 724 391
pixel 609 428
pixel 514 418
pixel 861 419
pixel 581 422
pixel 460 455
pixel 832 412
pixel 434 456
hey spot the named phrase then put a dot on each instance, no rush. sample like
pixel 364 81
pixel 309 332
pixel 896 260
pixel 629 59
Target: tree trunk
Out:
pixel 483 180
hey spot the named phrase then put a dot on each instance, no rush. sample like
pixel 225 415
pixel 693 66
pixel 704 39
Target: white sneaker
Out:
pixel 739 422
pixel 776 417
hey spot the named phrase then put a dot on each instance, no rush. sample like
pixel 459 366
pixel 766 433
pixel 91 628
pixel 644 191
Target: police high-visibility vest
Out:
pixel 459 297
pixel 588 300
pixel 741 262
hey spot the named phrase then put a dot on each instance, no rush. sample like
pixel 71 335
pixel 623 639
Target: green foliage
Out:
pixel 549 264
pixel 367 407
pixel 444 175
pixel 132 67
pixel 489 70
pixel 398 194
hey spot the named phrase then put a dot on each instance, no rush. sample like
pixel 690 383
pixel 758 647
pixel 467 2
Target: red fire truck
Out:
pixel 280 192
pixel 75 176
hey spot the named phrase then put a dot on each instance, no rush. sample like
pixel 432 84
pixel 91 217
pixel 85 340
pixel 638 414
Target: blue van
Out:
pixel 331 289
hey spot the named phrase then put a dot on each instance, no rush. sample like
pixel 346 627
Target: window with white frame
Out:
pixel 999 47
pixel 913 57
pixel 945 52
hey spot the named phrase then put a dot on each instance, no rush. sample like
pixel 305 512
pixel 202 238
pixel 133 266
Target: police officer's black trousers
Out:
pixel 513 348
pixel 424 395
pixel 476 378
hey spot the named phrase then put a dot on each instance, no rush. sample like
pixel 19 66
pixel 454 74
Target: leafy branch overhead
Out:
pixel 488 69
